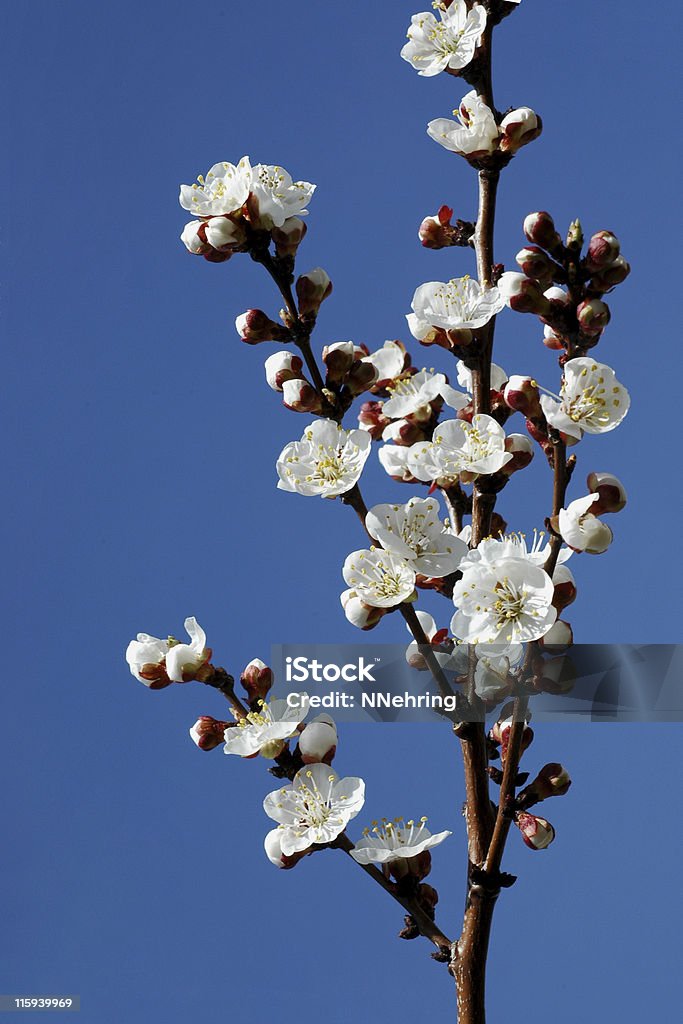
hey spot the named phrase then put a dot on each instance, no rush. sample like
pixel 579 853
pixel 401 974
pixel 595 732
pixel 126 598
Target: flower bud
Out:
pixel 438 232
pixel 288 237
pixel 552 780
pixel 593 316
pixel 551 340
pixel 556 676
pixel 207 732
pixel 522 294
pixel 522 395
pixel 193 237
pixel 282 366
pixel 539 229
pixel 522 453
pixel 603 248
pixel 372 419
pixel 500 733
pixel 404 432
pixel 312 289
pixel 558 298
pixel 575 236
pixel 360 615
pixel 255 326
pixel 558 638
pixel 273 848
pixel 300 396
pixel 565 588
pixel 318 741
pixel 610 276
pixel 257 680
pixel 361 377
pixel 537 833
pixel 518 128
pixel 536 264
pixel 610 490
pixel 224 234
pixel 338 359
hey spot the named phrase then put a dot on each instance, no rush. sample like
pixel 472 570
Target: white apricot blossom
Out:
pixel 395 840
pixel 582 530
pixel 157 662
pixel 591 399
pixel 315 808
pixel 459 304
pixel 380 579
pixel 475 133
pixel 277 197
pixel 394 460
pixel 327 461
pixel 411 396
pixel 460 447
pixel 433 46
pixel 265 731
pixel 507 601
pixel 415 533
pixel 224 190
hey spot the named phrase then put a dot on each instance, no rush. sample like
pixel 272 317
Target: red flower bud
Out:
pixel 611 491
pixel 603 248
pixel 537 833
pixel 539 229
pixel 207 732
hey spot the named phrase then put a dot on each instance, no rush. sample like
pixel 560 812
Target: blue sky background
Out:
pixel 140 440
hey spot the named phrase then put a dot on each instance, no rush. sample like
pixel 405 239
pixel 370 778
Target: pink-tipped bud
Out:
pixel 318 741
pixel 282 366
pixel 610 490
pixel 257 680
pixel 372 419
pixel 522 395
pixel 273 847
pixel 559 300
pixel 556 676
pixel 438 232
pixel 539 229
pixel 225 235
pixel 552 780
pixel 360 615
pixel 565 588
pixel 558 639
pixel 338 359
pixel 522 294
pixel 288 238
pixel 610 276
pixel 522 453
pixel 312 289
pixel 603 248
pixel 255 326
pixel 404 432
pixel 552 340
pixel 518 128
pixel 193 237
pixel 361 377
pixel 300 396
pixel 500 734
pixel 537 265
pixel 593 316
pixel 536 832
pixel 207 732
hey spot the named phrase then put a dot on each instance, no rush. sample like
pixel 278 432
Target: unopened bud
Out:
pixel 361 377
pixel 288 237
pixel 593 316
pixel 193 237
pixel 552 780
pixel 255 326
pixel 522 453
pixel 282 366
pixel 207 732
pixel 537 833
pixel 273 847
pixel 312 289
pixel 300 396
pixel 318 741
pixel 500 734
pixel 522 395
pixel 338 359
pixel 359 614
pixel 372 419
pixel 610 276
pixel 539 229
pixel 575 236
pixel 603 248
pixel 257 680
pixel 610 490
pixel 558 639
pixel 518 128
pixel 404 432
pixel 556 676
pixel 551 340
pixel 536 264
pixel 565 588
pixel 522 294
pixel 224 234
pixel 438 232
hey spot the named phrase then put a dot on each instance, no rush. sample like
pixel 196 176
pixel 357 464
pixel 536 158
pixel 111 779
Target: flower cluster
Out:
pixel 476 134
